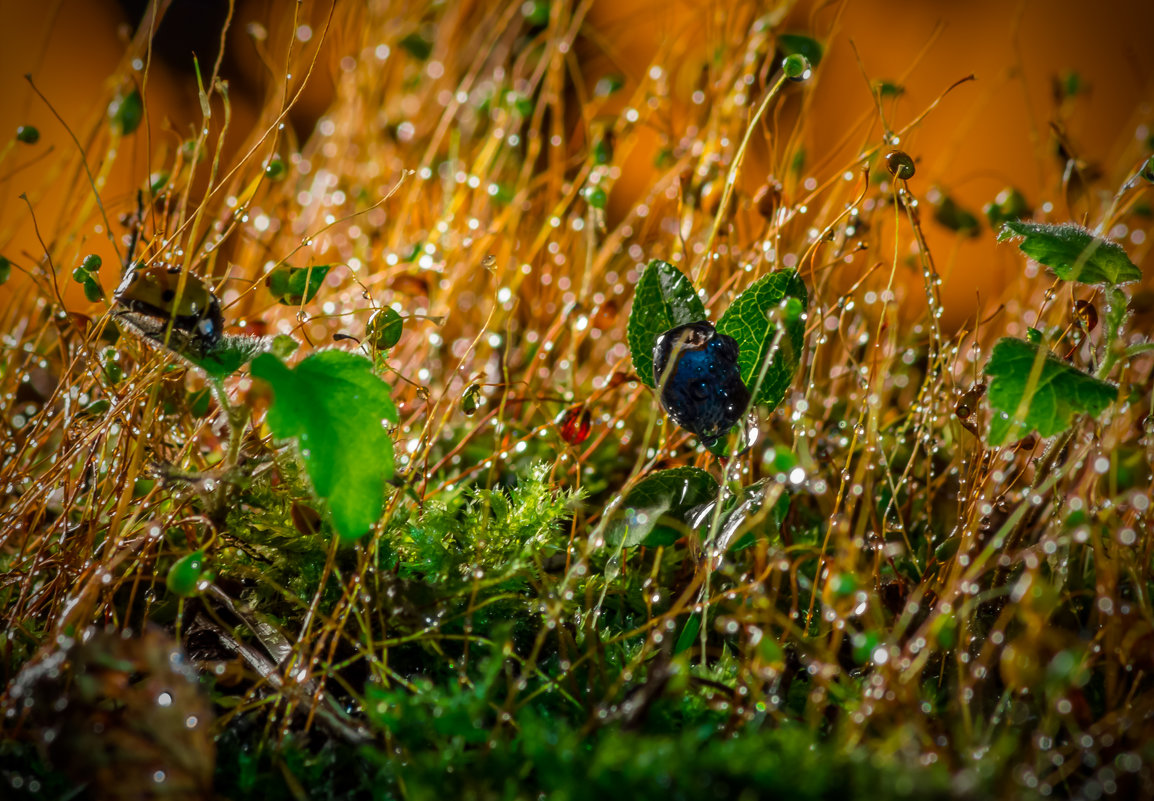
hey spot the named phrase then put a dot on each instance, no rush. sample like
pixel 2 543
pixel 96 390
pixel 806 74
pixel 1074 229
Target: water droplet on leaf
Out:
pixel 471 399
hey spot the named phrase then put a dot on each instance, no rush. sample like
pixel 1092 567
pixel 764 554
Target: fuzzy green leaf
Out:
pixel 1073 253
pixel 229 354
pixel 293 286
pixel 748 321
pixel 335 407
pixel 665 298
pixel 665 493
pixel 1032 390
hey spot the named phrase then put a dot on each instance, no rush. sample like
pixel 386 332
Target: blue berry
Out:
pixel 695 369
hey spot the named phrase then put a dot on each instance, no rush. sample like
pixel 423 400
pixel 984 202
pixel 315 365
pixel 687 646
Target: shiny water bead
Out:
pixel 471 400
pixel 796 67
pixel 967 404
pixel 695 369
pixel 900 165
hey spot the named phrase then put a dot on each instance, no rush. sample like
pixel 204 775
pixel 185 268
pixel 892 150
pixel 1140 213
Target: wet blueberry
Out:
pixel 695 369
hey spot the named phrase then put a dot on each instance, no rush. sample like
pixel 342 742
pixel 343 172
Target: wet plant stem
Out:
pixel 731 177
pixel 236 418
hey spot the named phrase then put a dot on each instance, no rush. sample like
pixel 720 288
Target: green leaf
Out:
pixel 864 644
pixel 283 346
pixel 664 298
pixel 889 89
pixel 744 512
pixel 688 633
pixel 97 408
pixel 5 269
pixel 791 43
pixel 1032 390
pixel 109 359
pixel 957 218
pixel 199 402
pixel 1073 253
pixel 748 321
pixel 125 112
pixel 1009 206
pixel 608 85
pixel 1069 84
pixel 417 46
pixel 667 493
pixel 334 406
pixel 536 13
pixel 743 517
pixel 232 352
pixel 293 286
pixel 92 289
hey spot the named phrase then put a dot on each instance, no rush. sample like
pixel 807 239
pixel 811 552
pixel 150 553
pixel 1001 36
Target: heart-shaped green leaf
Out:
pixel 1073 253
pixel 336 407
pixel 664 298
pixel 1032 390
pixel 781 295
pixel 665 493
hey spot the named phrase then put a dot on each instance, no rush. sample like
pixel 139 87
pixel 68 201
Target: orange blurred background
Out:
pixel 986 135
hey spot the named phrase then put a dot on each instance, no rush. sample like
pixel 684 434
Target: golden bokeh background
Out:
pixel 995 131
